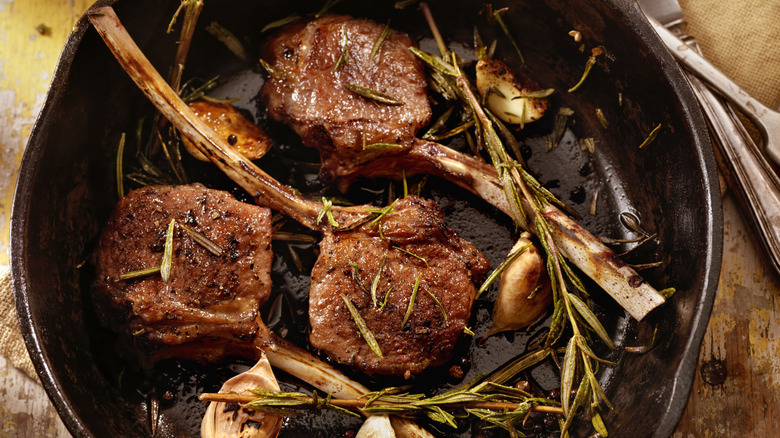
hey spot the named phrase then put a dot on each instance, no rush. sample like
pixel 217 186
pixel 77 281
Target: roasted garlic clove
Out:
pixel 525 277
pixel 515 100
pixel 376 426
pixel 231 421
pixel 405 428
pixel 248 139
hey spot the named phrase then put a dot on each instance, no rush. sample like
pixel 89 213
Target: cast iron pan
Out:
pixel 66 190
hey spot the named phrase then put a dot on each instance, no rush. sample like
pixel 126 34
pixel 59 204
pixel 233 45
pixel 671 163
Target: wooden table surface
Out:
pixel 737 387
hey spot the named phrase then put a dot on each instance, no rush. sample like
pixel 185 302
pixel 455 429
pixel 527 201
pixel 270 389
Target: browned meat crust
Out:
pixel 415 241
pixel 309 90
pixel 209 306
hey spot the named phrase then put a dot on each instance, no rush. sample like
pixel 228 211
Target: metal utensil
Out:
pixel 747 170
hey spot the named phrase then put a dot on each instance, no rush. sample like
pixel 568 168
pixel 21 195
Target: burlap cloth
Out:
pixel 741 37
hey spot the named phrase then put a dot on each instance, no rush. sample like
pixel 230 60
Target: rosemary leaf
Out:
pixel 598 424
pixel 668 292
pixel 434 62
pixel 582 344
pixel 385 32
pixel 226 37
pixel 202 240
pixel 439 124
pixel 567 374
pixel 362 327
pixel 326 212
pixel 344 58
pixel 372 94
pixel 497 16
pixel 384 301
pixel 375 283
pixel 139 273
pixel 382 214
pixel 412 254
pixel 411 300
pixel 650 137
pixel 325 8
pixel 438 303
pixel 167 260
pixel 518 365
pixel 539 94
pixel 592 320
pixel 583 391
pixel 356 277
pixel 602 118
pixel 588 66
pixel 451 133
pixel 500 269
pixel 120 187
pixel 405 185
pixel 280 23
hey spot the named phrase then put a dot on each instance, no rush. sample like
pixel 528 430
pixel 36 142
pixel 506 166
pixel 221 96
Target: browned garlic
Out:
pixel 222 422
pixel 510 99
pixel 525 277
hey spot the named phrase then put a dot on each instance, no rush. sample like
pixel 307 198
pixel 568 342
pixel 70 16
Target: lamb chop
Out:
pixel 413 226
pixel 310 88
pixel 412 280
pixel 220 272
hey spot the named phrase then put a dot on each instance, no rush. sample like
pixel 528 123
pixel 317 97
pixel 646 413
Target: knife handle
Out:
pixel 750 175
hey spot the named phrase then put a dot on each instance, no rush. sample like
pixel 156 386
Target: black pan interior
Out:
pixel 67 189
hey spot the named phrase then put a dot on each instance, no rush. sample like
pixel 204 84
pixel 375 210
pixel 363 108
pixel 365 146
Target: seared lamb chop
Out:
pixel 209 306
pixel 376 267
pixel 316 67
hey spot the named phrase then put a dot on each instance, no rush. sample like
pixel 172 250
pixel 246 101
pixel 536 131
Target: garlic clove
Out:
pixel 504 93
pixel 526 276
pixel 376 426
pixel 404 428
pixel 228 122
pixel 222 421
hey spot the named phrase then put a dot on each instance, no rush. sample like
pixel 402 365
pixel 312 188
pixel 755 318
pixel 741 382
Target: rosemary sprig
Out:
pixel 167 260
pixel 362 327
pixel 501 405
pixel 529 207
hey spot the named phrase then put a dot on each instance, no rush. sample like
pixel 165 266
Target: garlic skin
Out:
pixel 376 426
pixel 505 89
pixel 512 309
pixel 234 423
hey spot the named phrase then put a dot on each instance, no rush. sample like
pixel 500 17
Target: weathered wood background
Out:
pixel 737 386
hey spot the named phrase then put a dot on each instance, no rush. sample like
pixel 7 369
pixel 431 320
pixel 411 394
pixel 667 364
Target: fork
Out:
pixel 745 167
